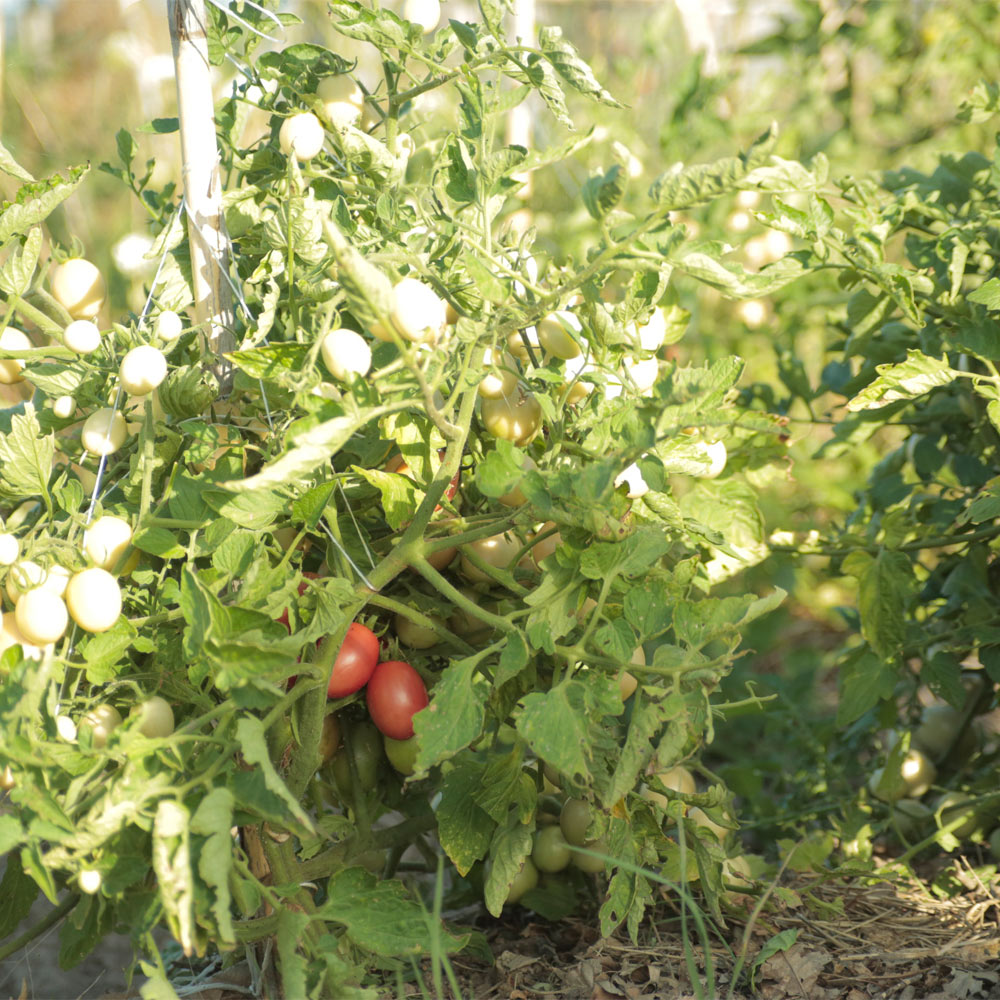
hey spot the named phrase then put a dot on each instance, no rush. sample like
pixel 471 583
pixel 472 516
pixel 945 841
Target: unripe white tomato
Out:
pixel 90 881
pixel 101 721
pixel 643 373
pixel 519 341
pixel 702 819
pixel 917 772
pixel 342 113
pixel 104 431
pixel 637 486
pixel 11 635
pixel 106 540
pixel 678 779
pixel 748 199
pixel 739 222
pixel 342 87
pixel 142 370
pixel 56 580
pixel 41 616
pixel 64 407
pixel 82 336
pixel 555 338
pixel 500 380
pixel 515 418
pixel 23 576
pixel 544 548
pixel 94 599
pixel 13 339
pixel 302 133
pixel 515 498
pixel 10 549
pixel 8 781
pixel 169 326
pixel 753 312
pixel 156 717
pixel 418 312
pixel 78 286
pixel 346 353
pixel 426 13
pixel 497 550
pixel 650 336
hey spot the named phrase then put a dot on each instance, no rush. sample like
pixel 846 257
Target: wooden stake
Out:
pixel 210 250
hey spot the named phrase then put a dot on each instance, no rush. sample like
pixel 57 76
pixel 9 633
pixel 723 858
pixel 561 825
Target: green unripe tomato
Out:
pixel 402 754
pixel 156 717
pixel 550 853
pixel 911 817
pixel 329 738
pixel 102 720
pixel 525 879
pixel 957 805
pixel 574 821
pixel 587 862
pixel 366 743
pixel 994 841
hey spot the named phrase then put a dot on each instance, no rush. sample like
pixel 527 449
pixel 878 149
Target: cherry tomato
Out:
pixel 355 662
pixel 395 694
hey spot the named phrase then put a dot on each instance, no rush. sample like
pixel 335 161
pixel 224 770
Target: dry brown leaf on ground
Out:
pixel 796 969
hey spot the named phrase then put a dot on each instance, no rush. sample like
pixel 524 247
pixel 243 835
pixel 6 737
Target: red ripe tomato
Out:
pixel 395 694
pixel 355 662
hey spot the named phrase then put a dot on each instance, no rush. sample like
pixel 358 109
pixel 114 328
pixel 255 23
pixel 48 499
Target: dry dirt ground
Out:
pixel 847 940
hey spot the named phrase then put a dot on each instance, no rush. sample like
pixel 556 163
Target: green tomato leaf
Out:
pixel 464 828
pixel 383 917
pixel 454 717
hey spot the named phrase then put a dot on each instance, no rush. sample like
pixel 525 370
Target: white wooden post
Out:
pixel 213 309
pixel 520 120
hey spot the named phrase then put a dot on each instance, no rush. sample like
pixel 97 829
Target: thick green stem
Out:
pixel 49 920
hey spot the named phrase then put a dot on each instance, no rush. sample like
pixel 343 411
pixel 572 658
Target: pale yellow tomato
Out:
pixel 23 576
pixel 10 549
pixel 302 133
pixel 156 717
pixel 104 431
pixel 12 339
pixel 94 599
pixel 560 334
pixel 101 721
pixel 82 336
pixel 418 312
pixel 106 540
pixel 41 616
pixel 515 498
pixel 516 418
pixel 11 635
pixel 346 353
pixel 426 13
pixel 142 370
pixel 497 550
pixel 78 286
pixel 500 379
pixel 169 326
